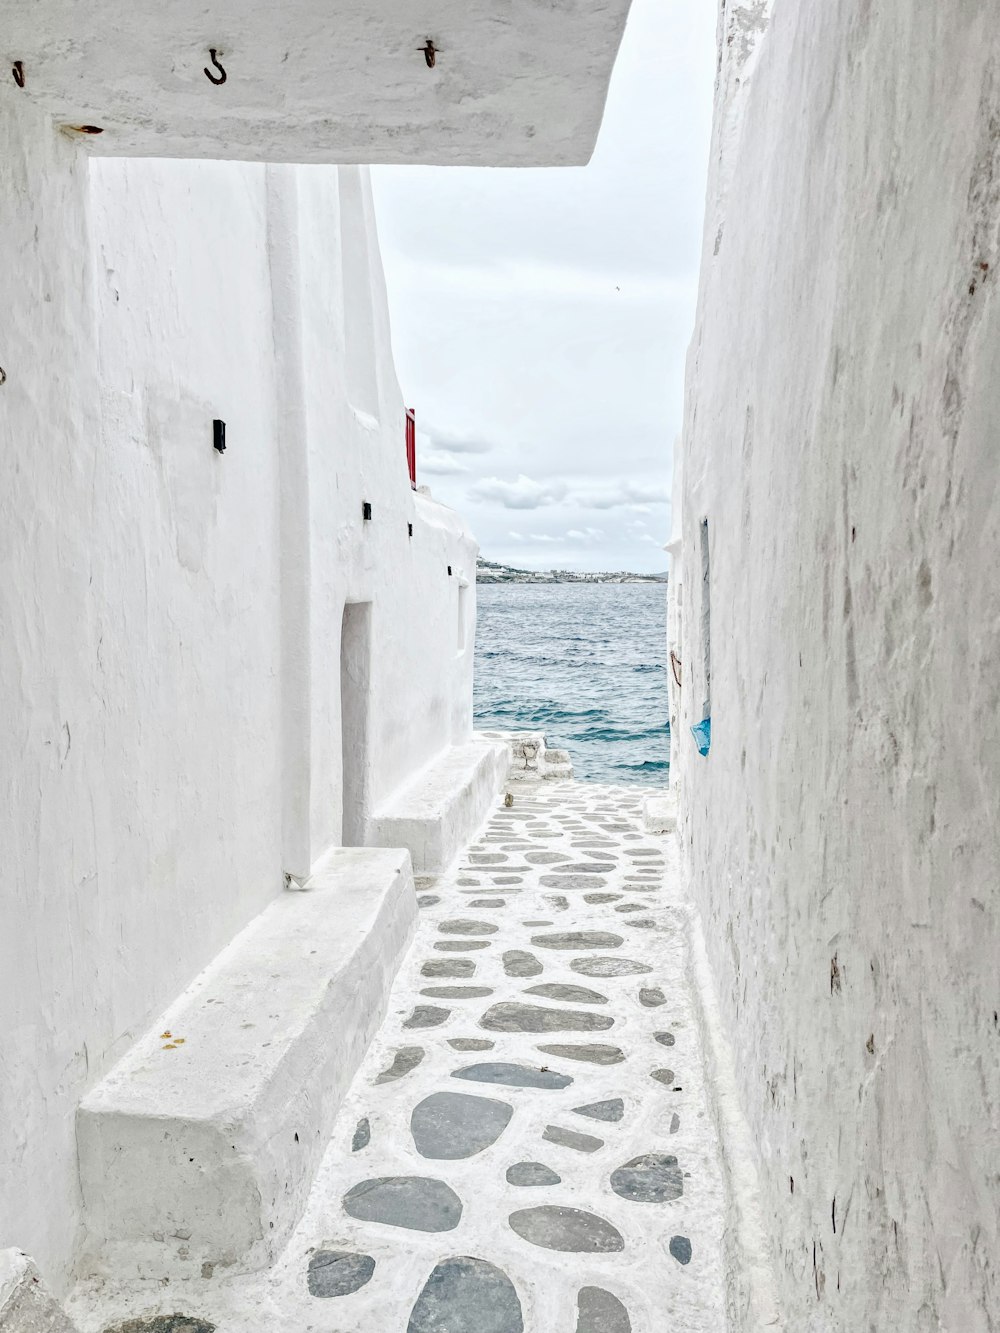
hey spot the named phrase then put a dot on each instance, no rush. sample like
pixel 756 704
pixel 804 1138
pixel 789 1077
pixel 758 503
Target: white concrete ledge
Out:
pixel 26 1306
pixel 530 759
pixel 198 1149
pixel 436 813
pixel 659 814
pixel 557 766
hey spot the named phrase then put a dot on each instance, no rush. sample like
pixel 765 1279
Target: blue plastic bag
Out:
pixel 702 734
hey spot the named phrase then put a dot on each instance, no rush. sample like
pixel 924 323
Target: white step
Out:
pixel 439 810
pixel 198 1149
pixel 659 813
pixel 530 758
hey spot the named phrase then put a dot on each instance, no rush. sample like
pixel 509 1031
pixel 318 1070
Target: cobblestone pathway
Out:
pixel 527 1145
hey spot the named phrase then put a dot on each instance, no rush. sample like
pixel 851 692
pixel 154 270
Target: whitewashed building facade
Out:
pixel 217 668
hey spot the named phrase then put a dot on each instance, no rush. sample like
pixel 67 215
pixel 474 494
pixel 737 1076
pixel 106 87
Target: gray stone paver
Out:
pixel 633 1231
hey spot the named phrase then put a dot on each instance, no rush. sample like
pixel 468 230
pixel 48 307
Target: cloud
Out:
pixel 524 493
pixel 437 463
pixel 454 442
pixel 586 535
pixel 621 495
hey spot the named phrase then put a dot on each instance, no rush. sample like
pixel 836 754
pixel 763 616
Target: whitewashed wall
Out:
pixel 842 431
pixel 169 617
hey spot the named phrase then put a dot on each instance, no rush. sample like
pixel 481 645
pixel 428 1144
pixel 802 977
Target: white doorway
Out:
pixel 355 714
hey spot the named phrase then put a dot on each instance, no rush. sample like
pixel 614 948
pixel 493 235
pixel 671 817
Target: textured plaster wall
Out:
pixel 841 437
pixel 170 617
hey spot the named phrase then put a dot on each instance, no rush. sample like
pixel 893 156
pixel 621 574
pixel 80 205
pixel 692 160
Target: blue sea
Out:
pixel 583 662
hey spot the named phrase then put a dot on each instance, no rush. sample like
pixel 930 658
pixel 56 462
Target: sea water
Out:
pixel 583 662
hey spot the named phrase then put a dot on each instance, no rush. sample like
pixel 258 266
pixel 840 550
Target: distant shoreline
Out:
pixel 487 571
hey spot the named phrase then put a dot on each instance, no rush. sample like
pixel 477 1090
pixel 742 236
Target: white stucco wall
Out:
pixel 841 436
pixel 170 617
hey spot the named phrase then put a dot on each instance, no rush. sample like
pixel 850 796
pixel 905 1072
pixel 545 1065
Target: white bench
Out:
pixel 437 812
pixel 198 1149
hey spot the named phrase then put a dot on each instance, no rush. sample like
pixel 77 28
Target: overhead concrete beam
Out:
pixel 512 84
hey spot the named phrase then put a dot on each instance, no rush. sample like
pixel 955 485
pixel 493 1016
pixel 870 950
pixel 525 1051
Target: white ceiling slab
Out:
pixel 514 82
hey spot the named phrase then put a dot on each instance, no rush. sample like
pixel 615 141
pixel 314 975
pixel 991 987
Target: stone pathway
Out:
pixel 528 1145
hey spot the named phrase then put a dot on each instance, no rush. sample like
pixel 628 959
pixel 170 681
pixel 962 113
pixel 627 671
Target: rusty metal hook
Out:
pixel 17 69
pixel 430 52
pixel 208 73
pixel 675 667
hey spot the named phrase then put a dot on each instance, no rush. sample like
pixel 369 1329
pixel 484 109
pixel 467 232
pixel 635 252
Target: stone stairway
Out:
pixel 528 1145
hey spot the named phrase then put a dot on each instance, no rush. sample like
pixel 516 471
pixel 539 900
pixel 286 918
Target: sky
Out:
pixel 541 318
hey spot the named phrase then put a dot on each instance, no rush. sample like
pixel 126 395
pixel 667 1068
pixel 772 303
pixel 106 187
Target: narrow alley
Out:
pixel 529 1143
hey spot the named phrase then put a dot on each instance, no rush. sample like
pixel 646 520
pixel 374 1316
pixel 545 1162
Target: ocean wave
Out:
pixel 647 766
